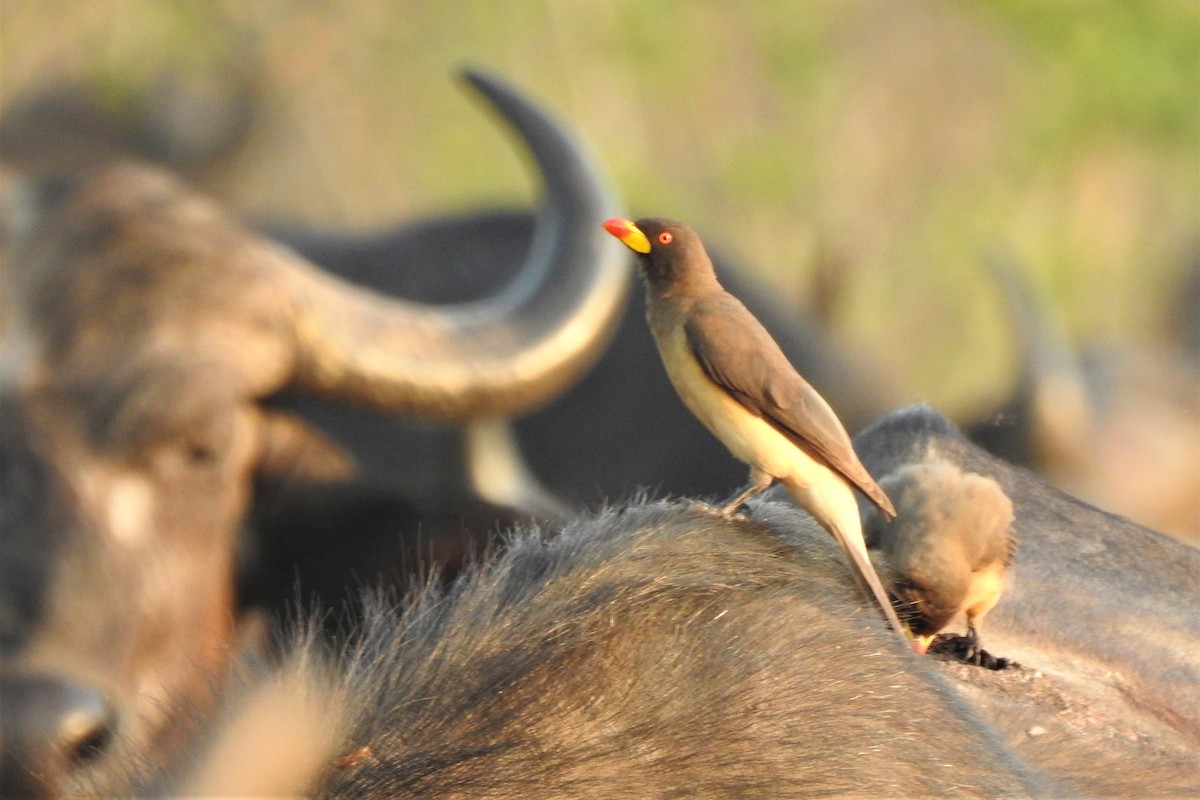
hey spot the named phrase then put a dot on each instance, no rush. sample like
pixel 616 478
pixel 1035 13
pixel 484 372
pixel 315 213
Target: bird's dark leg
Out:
pixel 974 654
pixel 759 483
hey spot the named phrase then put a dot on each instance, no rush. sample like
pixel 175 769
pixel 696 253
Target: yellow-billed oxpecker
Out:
pixel 732 375
pixel 946 551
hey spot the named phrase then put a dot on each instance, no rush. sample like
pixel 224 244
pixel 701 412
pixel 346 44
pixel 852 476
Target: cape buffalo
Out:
pixel 662 649
pixel 144 328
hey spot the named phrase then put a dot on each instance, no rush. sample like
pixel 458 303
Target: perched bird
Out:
pixel 732 375
pixel 946 551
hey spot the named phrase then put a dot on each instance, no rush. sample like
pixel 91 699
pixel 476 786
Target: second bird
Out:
pixel 732 375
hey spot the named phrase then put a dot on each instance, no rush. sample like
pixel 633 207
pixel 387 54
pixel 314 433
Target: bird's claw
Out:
pixel 974 652
pixel 734 509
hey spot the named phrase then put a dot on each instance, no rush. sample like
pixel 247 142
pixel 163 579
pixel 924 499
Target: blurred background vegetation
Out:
pixel 863 155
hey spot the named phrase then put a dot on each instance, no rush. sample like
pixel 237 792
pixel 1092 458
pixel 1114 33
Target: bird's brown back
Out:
pixel 740 356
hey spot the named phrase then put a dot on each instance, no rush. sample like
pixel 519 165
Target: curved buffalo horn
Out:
pixel 1052 395
pixel 500 356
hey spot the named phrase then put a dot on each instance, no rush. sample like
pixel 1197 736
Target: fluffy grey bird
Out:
pixel 946 551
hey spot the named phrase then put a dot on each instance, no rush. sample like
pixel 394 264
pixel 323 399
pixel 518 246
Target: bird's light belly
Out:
pixel 984 591
pixel 750 438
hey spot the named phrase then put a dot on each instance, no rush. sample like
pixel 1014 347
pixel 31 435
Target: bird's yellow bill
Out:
pixel 629 234
pixel 921 643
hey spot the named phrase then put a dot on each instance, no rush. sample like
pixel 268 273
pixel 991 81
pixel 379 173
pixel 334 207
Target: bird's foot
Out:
pixel 735 509
pixel 974 653
pixel 759 482
pixel 951 646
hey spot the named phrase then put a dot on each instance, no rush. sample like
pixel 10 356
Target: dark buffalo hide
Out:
pixel 660 649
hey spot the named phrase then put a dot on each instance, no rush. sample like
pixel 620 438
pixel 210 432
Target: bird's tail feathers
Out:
pixel 868 579
pixel 878 496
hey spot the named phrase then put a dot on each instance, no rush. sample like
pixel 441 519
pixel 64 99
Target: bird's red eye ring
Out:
pixel 665 237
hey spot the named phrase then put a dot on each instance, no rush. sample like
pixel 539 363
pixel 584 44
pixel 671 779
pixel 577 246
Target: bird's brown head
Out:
pixel 669 253
pixel 925 609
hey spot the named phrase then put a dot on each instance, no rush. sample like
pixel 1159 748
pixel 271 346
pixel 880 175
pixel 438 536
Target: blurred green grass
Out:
pixel 862 154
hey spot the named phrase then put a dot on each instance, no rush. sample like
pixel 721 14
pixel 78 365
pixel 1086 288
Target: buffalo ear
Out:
pixel 295 452
pixel 295 460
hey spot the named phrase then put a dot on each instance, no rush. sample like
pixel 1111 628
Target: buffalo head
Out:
pixel 143 329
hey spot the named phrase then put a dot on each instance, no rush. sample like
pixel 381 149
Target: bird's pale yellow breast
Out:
pixel 749 437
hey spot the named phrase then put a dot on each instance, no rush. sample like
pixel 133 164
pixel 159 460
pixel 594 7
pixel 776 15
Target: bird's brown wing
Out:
pixel 990 526
pixel 738 354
